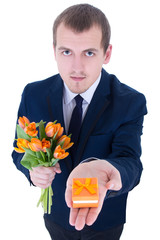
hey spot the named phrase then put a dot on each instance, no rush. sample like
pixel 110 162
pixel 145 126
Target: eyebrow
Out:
pixel 86 50
pixel 64 48
pixel 91 50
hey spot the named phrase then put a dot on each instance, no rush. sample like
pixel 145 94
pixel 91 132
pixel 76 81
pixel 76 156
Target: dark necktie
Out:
pixel 75 123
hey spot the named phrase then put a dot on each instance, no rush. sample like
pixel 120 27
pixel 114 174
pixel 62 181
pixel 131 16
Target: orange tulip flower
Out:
pixel 23 122
pixel 31 129
pixel 35 145
pixel 21 143
pixel 45 144
pixel 51 129
pixel 66 142
pixel 60 153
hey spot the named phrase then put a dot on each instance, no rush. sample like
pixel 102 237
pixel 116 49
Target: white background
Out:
pixel 26 55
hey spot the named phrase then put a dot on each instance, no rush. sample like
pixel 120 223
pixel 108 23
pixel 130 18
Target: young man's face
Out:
pixel 80 57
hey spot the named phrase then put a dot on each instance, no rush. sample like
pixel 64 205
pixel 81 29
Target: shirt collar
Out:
pixel 68 95
pixel 87 95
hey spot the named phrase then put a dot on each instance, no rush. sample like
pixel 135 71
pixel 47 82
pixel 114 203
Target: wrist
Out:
pixel 90 159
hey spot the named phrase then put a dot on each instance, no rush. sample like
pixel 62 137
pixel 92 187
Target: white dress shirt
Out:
pixel 69 102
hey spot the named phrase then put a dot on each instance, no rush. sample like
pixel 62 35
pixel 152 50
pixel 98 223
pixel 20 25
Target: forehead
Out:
pixel 67 37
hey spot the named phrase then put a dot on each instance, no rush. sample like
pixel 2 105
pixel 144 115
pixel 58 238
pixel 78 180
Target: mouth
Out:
pixel 77 78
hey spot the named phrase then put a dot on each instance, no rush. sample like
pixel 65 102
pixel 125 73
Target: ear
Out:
pixel 54 49
pixel 108 54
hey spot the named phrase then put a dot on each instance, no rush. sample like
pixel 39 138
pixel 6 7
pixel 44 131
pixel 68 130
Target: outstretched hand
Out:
pixel 108 179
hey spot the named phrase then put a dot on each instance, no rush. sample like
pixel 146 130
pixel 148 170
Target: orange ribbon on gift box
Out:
pixel 90 187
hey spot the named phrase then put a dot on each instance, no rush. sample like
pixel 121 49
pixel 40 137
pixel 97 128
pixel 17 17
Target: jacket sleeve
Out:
pixel 18 156
pixel 125 156
pixel 126 148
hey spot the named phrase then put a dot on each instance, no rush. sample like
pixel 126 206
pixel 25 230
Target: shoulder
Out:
pixel 40 86
pixel 125 98
pixel 119 90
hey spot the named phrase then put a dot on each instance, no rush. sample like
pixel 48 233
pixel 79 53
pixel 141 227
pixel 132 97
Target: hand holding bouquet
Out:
pixel 42 148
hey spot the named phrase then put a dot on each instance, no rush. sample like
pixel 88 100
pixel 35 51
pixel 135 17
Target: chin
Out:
pixel 77 89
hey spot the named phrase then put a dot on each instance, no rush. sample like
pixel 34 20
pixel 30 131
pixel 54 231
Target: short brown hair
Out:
pixel 82 17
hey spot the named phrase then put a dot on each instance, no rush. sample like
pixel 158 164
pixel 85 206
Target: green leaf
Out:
pixel 54 137
pixel 55 122
pixel 49 154
pixel 41 155
pixel 61 144
pixel 53 144
pixel 38 155
pixel 37 124
pixel 42 132
pixel 26 164
pixel 44 164
pixel 29 151
pixel 54 161
pixel 21 133
pixel 29 161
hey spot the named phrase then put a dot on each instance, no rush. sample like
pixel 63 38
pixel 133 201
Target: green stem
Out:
pixel 46 199
pixel 41 197
pixel 50 199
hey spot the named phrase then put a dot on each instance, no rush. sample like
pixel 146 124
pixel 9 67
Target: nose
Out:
pixel 77 64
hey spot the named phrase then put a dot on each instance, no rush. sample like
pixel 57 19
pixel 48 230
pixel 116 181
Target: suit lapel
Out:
pixel 98 105
pixel 54 101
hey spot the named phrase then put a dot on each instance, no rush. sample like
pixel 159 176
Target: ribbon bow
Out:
pixel 90 187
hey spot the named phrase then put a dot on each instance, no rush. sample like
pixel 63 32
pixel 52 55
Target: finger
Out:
pixel 73 216
pixel 80 219
pixel 42 180
pixel 42 186
pixel 42 183
pixel 57 168
pixel 46 172
pixel 92 216
pixel 41 175
pixel 94 212
pixel 43 170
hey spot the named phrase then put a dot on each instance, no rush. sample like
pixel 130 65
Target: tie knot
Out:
pixel 79 100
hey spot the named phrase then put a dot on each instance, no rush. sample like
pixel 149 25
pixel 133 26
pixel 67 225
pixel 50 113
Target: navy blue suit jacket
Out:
pixel 111 130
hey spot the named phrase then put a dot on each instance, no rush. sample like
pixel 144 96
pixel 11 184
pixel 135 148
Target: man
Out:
pixel 108 145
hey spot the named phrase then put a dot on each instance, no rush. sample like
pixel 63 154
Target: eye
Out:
pixel 67 53
pixel 89 54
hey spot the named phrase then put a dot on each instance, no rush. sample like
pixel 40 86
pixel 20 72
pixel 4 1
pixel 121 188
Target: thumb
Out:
pixel 57 168
pixel 68 194
pixel 110 185
pixel 115 182
pixel 113 185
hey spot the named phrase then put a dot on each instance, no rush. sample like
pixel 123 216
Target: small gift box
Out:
pixel 85 192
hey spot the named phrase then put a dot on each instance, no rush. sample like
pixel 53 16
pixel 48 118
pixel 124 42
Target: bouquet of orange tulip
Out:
pixel 42 148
